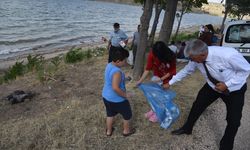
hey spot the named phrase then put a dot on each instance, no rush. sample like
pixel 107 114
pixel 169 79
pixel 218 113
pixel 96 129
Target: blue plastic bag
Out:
pixel 161 102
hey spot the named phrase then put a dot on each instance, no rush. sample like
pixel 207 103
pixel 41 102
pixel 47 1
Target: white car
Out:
pixel 237 34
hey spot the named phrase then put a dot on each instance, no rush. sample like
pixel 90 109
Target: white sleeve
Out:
pixel 188 69
pixel 241 68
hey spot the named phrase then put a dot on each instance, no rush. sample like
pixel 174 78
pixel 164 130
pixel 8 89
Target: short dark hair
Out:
pixel 163 52
pixel 118 53
pixel 116 25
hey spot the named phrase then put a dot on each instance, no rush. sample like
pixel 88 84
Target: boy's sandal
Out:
pixel 130 133
pixel 113 129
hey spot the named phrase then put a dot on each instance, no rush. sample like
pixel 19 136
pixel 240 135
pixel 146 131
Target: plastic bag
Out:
pixel 155 79
pixel 130 58
pixel 122 44
pixel 161 102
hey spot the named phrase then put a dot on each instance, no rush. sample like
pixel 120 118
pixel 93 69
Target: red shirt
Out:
pixel 159 68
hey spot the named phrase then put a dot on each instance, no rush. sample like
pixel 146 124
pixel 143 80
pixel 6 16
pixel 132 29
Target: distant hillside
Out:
pixel 211 8
pixel 215 9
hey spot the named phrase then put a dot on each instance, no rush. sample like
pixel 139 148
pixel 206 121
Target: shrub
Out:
pixel 35 62
pixel 56 61
pixel 99 51
pixel 74 55
pixel 16 70
pixel 87 54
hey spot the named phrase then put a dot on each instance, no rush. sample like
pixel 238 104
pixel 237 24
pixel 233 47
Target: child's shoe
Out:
pixel 149 114
pixel 153 118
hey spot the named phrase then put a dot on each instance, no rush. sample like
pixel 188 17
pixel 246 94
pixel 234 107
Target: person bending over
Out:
pixel 162 61
pixel 226 72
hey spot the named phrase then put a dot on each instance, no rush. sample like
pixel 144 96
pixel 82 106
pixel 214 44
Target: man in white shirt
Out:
pixel 230 71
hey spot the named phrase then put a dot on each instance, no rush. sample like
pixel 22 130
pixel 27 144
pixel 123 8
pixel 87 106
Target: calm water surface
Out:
pixel 28 26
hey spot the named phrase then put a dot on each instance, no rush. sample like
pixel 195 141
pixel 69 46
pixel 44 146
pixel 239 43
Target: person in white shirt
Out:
pixel 173 47
pixel 230 70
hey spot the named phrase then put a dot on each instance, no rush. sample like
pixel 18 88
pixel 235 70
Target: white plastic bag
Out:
pixel 122 44
pixel 130 58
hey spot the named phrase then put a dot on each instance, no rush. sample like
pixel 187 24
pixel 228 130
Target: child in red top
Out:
pixel 162 61
pixel 164 70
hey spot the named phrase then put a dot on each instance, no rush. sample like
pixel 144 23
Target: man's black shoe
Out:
pixel 181 131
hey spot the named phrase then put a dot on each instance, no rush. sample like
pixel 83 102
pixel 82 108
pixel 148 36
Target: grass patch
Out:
pixel 78 54
pixel 185 36
pixel 99 51
pixel 46 70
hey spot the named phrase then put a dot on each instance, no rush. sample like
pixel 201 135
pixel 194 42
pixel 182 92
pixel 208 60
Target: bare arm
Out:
pixel 144 75
pixel 109 44
pixel 115 85
pixel 165 76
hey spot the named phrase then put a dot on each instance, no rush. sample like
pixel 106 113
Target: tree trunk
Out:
pixel 179 24
pixel 140 54
pixel 158 10
pixel 242 17
pixel 168 21
pixel 224 19
pixel 184 8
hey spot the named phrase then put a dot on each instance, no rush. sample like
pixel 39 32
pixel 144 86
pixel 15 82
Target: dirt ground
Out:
pixel 68 113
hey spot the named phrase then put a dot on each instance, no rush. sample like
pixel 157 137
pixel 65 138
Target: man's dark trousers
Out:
pixel 111 50
pixel 234 104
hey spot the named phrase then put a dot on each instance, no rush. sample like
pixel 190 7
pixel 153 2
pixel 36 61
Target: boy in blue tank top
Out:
pixel 114 92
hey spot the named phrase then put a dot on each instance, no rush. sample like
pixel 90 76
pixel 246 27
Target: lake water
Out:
pixel 28 26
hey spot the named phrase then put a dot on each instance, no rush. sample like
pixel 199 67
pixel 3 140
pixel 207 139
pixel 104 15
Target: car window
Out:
pixel 239 33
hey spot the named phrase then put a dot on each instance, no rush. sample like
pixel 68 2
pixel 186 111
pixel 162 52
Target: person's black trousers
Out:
pixel 234 105
pixel 111 49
